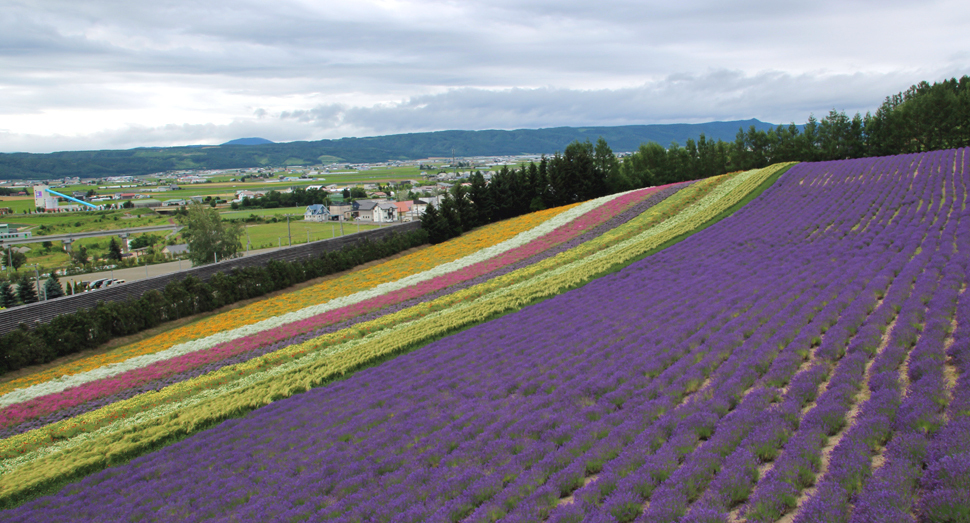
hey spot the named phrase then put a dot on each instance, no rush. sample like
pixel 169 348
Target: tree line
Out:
pixel 298 197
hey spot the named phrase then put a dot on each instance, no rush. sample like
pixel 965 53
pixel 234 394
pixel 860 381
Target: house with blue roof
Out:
pixel 317 213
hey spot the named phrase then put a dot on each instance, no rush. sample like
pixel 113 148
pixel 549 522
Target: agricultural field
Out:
pixel 17 204
pixel 783 344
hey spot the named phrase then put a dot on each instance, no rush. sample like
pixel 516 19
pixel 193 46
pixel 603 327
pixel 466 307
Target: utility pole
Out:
pixel 289 233
pixel 39 293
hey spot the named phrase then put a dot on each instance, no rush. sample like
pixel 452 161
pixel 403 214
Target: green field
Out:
pixel 275 234
pixel 279 211
pixel 18 204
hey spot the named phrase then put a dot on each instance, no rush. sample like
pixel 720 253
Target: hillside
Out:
pixel 783 342
pixel 352 150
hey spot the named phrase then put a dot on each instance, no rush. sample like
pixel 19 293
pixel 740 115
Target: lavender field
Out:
pixel 802 360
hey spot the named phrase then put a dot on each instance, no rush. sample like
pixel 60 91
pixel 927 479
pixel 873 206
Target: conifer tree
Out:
pixel 26 291
pixel 52 287
pixel 7 297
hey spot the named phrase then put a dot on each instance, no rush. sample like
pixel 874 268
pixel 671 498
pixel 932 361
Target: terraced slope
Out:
pixel 722 378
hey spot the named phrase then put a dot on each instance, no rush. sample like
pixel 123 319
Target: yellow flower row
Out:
pixel 325 291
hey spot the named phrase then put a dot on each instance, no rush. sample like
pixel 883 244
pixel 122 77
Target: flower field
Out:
pixel 802 359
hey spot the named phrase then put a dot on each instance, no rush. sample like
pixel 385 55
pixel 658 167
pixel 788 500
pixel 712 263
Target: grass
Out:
pixel 270 234
pixel 241 213
pixel 18 204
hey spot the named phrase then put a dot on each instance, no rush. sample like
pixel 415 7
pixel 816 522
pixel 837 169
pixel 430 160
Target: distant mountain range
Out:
pixel 259 152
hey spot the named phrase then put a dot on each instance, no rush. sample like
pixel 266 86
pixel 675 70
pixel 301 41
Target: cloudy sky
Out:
pixel 112 74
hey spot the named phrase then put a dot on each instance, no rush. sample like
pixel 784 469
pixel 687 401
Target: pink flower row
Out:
pixel 21 412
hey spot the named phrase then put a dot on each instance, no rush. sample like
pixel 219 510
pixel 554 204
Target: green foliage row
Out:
pixel 299 197
pixel 88 328
pixel 582 172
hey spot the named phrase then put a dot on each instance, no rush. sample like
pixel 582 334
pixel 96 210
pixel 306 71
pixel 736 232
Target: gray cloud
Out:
pixel 182 71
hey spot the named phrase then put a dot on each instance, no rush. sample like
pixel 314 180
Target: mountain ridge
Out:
pixel 408 146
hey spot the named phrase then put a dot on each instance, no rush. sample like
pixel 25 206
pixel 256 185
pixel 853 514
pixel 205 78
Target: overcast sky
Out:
pixel 113 74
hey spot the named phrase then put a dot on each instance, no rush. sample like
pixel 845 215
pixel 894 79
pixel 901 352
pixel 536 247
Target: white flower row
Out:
pixel 66 382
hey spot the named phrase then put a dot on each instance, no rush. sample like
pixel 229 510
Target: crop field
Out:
pixel 657 355
pixel 18 204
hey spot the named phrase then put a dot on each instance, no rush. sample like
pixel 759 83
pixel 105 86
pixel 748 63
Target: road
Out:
pixel 92 234
pixel 140 273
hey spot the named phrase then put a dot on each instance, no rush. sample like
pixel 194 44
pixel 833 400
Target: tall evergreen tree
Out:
pixel 481 198
pixel 450 217
pixel 114 249
pixel 52 287
pixel 7 297
pixel 25 291
pixel 438 229
pixel 466 211
pixel 608 168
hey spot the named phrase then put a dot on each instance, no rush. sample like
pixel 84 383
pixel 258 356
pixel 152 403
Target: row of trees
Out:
pixel 923 118
pixel 582 171
pixel 298 197
pixel 89 328
pixel 21 290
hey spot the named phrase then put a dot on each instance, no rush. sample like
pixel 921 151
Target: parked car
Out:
pixel 97 284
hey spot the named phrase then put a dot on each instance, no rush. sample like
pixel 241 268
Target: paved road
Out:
pixel 140 273
pixel 92 234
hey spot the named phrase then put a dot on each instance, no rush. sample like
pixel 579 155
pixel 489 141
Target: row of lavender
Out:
pixel 661 393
